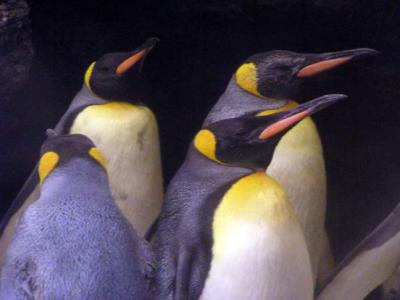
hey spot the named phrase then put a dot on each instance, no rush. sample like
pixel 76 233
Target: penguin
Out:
pixel 229 231
pixel 391 287
pixel 272 81
pixel 109 111
pixel 370 264
pixel 73 242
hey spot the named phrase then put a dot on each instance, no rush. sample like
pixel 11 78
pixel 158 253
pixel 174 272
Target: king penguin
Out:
pixel 109 111
pixel 272 80
pixel 229 231
pixel 371 263
pixel 73 242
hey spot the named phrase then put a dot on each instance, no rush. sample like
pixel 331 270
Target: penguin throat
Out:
pixel 289 105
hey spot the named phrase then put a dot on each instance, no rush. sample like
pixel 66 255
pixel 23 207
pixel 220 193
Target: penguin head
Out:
pixel 249 140
pixel 58 151
pixel 279 74
pixel 117 76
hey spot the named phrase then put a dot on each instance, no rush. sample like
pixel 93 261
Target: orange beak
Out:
pixel 130 62
pixel 290 117
pixel 282 125
pixel 327 61
pixel 136 57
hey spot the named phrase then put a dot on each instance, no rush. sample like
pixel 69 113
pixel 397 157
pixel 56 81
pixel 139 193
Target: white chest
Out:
pixel 298 165
pixel 261 263
pixel 258 250
pixel 128 137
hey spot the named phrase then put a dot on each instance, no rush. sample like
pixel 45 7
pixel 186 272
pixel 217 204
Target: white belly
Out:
pixel 260 263
pixel 298 165
pixel 365 272
pixel 258 249
pixel 129 141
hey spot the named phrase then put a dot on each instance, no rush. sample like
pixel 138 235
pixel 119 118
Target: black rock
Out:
pixel 16 49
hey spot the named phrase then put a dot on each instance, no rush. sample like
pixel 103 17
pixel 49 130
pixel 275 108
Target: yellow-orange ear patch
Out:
pixel 47 163
pixel 246 78
pixel 206 143
pixel 289 105
pixel 98 156
pixel 88 75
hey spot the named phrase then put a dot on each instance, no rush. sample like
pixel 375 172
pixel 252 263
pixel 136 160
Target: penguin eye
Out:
pixel 104 69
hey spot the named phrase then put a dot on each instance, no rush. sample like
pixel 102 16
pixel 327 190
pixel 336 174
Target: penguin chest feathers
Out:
pixel 298 161
pixel 259 251
pixel 298 165
pixel 127 135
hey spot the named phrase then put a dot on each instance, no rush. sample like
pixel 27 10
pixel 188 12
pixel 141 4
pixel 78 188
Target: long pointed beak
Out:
pixel 318 63
pixel 136 56
pixel 290 117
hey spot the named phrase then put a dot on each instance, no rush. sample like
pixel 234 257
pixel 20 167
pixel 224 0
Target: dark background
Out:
pixel 202 43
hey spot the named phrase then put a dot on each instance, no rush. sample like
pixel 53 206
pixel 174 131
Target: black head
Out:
pixel 279 74
pixel 250 140
pixel 57 151
pixel 117 76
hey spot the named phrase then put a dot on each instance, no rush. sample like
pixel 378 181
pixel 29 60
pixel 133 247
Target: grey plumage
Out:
pixel 268 81
pixel 235 102
pixel 371 263
pixel 104 86
pixel 196 178
pixel 73 243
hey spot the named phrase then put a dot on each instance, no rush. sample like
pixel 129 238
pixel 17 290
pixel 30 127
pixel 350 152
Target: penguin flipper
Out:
pixel 183 275
pixel 19 200
pixel 192 270
pixel 19 281
pixel 148 262
pixel 391 287
pixel 367 266
pixel 152 230
pixel 82 100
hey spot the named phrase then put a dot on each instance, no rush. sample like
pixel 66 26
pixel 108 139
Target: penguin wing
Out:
pixel 33 179
pixel 82 100
pixel 23 194
pixel 367 266
pixel 192 270
pixel 147 261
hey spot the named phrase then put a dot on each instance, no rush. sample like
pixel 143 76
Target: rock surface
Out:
pixel 16 49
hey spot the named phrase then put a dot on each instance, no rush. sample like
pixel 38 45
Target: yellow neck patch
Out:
pixel 246 78
pixel 206 143
pixel 289 105
pixel 47 163
pixel 254 199
pixel 98 156
pixel 88 75
pixel 113 109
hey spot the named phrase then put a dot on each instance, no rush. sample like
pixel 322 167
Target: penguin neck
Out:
pixel 127 135
pixel 85 92
pixel 207 168
pixel 235 102
pixel 76 178
pixel 83 98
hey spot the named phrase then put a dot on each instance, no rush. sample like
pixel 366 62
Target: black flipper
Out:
pixel 22 195
pixel 370 263
pixel 183 274
pixel 152 230
pixel 82 100
pixel 200 270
